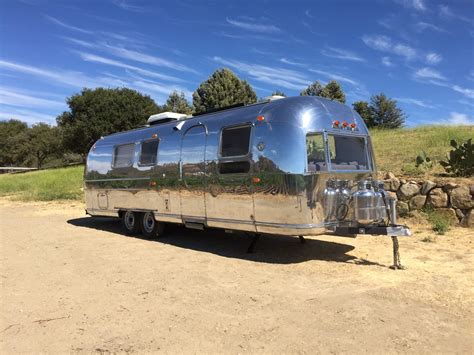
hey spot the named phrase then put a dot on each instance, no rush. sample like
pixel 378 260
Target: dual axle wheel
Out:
pixel 142 222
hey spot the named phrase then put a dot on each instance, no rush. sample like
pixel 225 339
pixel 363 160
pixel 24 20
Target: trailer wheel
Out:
pixel 150 227
pixel 131 222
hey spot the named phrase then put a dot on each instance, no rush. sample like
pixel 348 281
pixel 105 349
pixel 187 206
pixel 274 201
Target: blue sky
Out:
pixel 420 52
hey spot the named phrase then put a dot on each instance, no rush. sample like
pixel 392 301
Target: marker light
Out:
pixel 353 126
pixel 255 179
pixel 260 118
pixel 335 123
pixel 154 135
pixel 345 124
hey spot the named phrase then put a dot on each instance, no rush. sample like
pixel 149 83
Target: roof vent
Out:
pixel 274 97
pixel 165 117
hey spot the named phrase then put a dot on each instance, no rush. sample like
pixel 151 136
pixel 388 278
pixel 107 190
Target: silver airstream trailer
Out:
pixel 292 166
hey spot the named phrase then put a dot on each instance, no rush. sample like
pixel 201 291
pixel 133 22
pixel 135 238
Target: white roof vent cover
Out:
pixel 165 117
pixel 275 97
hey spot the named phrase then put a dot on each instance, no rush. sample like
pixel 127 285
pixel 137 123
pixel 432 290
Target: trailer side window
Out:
pixel 315 153
pixel 123 156
pixel 347 153
pixel 235 145
pixel 148 152
pixel 235 141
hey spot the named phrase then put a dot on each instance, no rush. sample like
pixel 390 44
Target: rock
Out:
pixel 392 195
pixel 459 214
pixel 471 190
pixel 449 186
pixel 427 187
pixel 468 220
pixel 403 181
pixel 391 182
pixel 417 202
pixel 437 198
pixel 461 198
pixel 402 209
pixel 407 191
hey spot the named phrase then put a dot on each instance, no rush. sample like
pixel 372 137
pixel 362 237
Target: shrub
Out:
pixel 423 161
pixel 460 160
pixel 440 222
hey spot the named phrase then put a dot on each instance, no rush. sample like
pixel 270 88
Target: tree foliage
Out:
pixel 314 89
pixel 10 145
pixel 98 112
pixel 333 91
pixel 363 109
pixel 222 88
pixel 23 146
pixel 278 93
pixel 177 103
pixel 384 112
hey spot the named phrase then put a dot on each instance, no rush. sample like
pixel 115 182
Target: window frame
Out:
pixel 235 158
pixel 326 134
pixel 157 150
pixel 114 156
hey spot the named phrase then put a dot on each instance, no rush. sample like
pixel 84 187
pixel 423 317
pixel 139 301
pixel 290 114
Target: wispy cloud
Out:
pixel 71 78
pixel 127 6
pixel 433 58
pixel 418 5
pixel 103 60
pixel 308 14
pixel 14 97
pixel 387 62
pixel 254 27
pixel 68 26
pixel 145 58
pixel 415 102
pixel 287 61
pixel 445 12
pixel 428 73
pixel 456 118
pixel 467 103
pixel 385 44
pixel 335 76
pixel 423 26
pixel 339 53
pixel 27 116
pixel 466 92
pixel 275 76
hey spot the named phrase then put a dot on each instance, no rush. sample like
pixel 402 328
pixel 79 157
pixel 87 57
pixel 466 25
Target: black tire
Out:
pixel 131 222
pixel 150 227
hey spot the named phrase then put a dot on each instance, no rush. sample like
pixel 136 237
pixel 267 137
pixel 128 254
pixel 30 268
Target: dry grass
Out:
pixel 396 150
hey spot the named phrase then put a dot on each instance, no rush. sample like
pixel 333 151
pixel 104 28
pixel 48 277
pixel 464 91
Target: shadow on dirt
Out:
pixel 274 249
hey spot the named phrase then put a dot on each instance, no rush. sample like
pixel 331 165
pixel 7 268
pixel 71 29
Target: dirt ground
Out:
pixel 72 283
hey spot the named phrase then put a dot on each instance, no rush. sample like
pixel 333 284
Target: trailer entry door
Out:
pixel 193 174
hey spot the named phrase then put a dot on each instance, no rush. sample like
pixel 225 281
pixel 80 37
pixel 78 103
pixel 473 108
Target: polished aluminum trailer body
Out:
pixel 272 188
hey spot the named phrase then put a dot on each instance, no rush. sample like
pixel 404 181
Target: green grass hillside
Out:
pixel 395 151
pixel 45 185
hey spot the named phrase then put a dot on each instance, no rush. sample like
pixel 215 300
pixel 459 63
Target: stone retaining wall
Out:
pixel 456 200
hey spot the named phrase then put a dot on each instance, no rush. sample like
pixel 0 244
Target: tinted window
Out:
pixel 148 152
pixel 347 153
pixel 235 141
pixel 315 153
pixel 234 167
pixel 123 156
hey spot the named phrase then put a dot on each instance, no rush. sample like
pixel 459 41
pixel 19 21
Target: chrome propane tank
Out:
pixel 365 202
pixel 369 202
